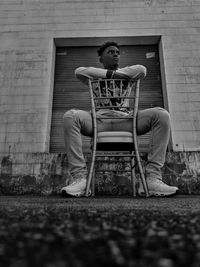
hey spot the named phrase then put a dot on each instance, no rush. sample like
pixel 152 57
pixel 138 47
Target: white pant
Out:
pixel 156 120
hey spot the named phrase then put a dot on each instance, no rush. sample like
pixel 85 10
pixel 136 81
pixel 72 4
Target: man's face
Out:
pixel 110 57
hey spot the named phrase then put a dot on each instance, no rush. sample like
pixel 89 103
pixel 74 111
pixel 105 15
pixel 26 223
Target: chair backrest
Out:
pixel 114 94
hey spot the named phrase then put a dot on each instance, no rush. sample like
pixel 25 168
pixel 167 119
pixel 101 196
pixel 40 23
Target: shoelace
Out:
pixel 77 180
pixel 157 181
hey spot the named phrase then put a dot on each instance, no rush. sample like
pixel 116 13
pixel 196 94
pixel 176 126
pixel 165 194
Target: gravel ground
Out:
pixel 53 231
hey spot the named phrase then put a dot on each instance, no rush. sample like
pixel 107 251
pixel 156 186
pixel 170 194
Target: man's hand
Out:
pixel 111 74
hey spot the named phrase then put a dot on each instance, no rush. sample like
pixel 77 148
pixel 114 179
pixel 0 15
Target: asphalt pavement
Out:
pixel 100 231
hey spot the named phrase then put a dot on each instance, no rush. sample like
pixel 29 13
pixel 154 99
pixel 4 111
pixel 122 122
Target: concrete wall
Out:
pixel 26 55
pixel 28 28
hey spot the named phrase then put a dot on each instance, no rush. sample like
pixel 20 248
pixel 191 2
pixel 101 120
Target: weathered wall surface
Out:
pixel 27 30
pixel 45 174
pixel 26 55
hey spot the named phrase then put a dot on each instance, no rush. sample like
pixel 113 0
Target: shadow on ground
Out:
pixel 99 232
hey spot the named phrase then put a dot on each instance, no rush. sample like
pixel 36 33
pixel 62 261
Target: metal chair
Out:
pixel 121 95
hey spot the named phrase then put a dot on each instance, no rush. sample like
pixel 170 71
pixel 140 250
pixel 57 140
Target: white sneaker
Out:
pixel 157 188
pixel 77 188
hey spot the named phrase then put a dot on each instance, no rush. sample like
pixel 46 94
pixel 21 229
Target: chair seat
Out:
pixel 115 137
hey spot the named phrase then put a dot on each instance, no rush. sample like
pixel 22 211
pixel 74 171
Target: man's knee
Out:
pixel 163 116
pixel 79 119
pixel 70 117
pixel 70 113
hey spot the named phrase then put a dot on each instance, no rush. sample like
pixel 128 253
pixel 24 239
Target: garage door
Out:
pixel 70 93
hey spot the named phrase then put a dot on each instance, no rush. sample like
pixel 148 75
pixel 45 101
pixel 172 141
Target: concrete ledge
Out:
pixel 45 174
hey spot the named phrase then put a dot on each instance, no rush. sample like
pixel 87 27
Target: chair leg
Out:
pixel 133 177
pixel 93 183
pixel 142 177
pixel 90 173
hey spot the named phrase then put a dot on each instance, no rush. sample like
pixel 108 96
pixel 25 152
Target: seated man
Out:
pixel 77 122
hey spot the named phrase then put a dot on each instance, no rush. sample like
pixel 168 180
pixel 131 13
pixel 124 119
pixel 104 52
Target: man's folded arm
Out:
pixel 84 74
pixel 134 72
pixel 131 73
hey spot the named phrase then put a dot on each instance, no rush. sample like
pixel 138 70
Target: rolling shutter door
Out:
pixel 71 93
